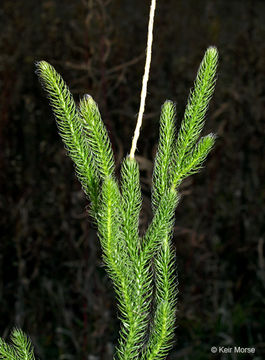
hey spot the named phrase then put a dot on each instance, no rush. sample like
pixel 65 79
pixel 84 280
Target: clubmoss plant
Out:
pixel 20 347
pixel 142 268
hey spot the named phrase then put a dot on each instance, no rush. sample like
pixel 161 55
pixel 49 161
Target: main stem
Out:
pixel 145 78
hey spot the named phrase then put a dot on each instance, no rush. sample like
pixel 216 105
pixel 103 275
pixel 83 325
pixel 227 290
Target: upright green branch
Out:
pixel 194 119
pixel 186 158
pixel 97 136
pixel 20 347
pixel 70 129
pixel 165 153
pixel 142 269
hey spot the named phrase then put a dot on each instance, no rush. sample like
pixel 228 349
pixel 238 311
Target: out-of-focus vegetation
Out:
pixel 52 282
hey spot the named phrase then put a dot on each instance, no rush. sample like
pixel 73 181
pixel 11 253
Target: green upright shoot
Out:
pixel 142 268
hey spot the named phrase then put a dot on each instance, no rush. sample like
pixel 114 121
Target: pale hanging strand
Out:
pixel 145 78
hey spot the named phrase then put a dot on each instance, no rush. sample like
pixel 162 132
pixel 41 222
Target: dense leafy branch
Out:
pixel 19 349
pixel 142 268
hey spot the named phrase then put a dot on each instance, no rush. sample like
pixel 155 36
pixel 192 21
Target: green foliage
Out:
pixel 165 152
pixel 194 119
pixel 71 130
pixel 194 161
pixel 97 136
pixel 142 268
pixel 19 349
pixel 131 198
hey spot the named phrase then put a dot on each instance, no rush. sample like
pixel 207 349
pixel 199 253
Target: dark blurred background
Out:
pixel 52 282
